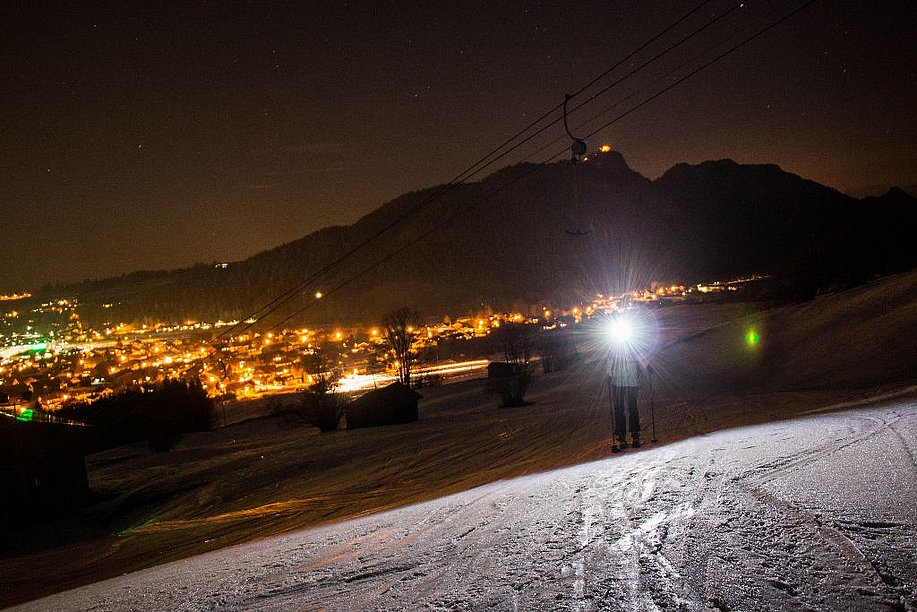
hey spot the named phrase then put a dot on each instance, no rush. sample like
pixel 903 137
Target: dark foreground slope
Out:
pixel 814 513
pixel 850 339
pixel 507 240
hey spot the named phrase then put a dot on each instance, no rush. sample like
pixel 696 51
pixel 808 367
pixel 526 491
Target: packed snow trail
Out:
pixel 815 513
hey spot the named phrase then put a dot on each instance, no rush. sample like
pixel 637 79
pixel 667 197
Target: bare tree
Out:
pixel 517 342
pixel 319 405
pixel 400 330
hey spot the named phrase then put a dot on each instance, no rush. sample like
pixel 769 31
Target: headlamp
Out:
pixel 621 331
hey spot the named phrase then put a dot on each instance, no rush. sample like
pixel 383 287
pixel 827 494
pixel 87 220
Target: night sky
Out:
pixel 156 135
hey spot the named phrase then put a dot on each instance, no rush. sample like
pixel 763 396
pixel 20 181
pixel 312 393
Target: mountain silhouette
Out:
pixel 530 234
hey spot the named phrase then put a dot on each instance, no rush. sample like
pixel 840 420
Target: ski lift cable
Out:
pixel 650 86
pixel 632 72
pixel 455 216
pixel 674 84
pixel 472 169
pixel 475 168
pixel 653 59
pixel 542 164
pixel 660 79
pixel 620 80
pixel 704 66
pixel 538 167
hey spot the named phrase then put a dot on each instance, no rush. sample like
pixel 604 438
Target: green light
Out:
pixel 27 415
pixel 752 338
pixel 38 346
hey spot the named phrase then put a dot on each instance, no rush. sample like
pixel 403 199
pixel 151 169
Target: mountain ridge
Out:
pixel 506 240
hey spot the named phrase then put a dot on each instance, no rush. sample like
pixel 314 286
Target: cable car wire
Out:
pixel 539 166
pixel 480 165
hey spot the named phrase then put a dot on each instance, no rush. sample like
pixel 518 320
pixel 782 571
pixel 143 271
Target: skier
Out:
pixel 624 374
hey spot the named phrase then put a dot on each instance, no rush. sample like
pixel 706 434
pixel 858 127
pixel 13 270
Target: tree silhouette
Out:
pixel 319 404
pixel 517 342
pixel 400 329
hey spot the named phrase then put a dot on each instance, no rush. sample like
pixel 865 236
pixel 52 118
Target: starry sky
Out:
pixel 149 135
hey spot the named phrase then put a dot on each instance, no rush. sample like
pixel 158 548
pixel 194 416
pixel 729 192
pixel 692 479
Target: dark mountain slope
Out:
pixel 506 240
pixel 741 218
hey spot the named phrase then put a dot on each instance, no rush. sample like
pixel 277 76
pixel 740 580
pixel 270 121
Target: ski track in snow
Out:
pixel 816 513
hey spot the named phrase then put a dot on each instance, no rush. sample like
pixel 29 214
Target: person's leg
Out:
pixel 620 415
pixel 611 405
pixel 633 415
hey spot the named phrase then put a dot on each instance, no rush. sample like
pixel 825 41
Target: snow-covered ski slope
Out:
pixel 818 512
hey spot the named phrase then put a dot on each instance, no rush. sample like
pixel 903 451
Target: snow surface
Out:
pixel 818 512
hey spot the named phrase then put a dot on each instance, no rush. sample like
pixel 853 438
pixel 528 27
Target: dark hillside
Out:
pixel 743 218
pixel 507 240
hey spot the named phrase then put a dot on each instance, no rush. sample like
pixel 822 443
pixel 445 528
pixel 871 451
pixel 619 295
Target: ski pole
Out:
pixel 652 404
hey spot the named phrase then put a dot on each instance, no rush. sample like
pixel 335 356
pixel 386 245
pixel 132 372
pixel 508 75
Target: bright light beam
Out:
pixel 621 331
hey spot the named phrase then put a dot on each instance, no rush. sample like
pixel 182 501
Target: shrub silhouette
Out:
pixel 322 409
pixel 558 352
pixel 517 343
pixel 159 413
